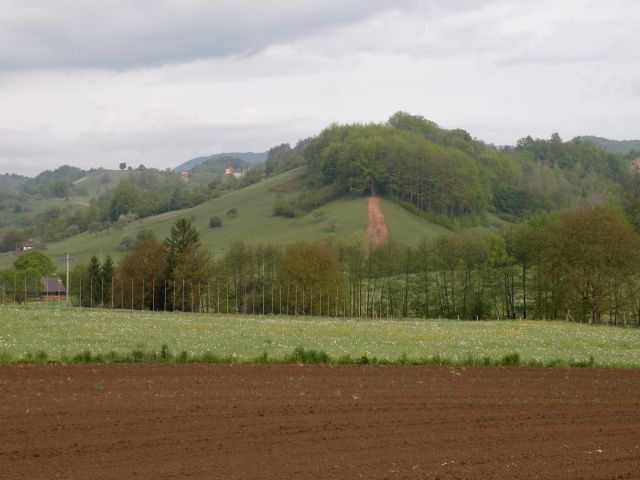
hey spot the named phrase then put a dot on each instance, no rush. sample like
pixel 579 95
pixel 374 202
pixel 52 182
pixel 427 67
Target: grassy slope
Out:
pixel 34 206
pixel 62 330
pixel 406 227
pixel 95 185
pixel 255 223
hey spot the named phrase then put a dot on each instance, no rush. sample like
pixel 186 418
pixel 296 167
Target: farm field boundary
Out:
pixel 299 356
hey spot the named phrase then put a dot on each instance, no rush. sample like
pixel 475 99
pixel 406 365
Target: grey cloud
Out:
pixel 454 30
pixel 28 153
pixel 129 33
pixel 505 33
pixel 500 68
pixel 550 58
pixel 202 138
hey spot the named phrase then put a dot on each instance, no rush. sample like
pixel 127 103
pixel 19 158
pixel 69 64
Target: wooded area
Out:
pixel 447 175
pixel 582 265
pixel 567 246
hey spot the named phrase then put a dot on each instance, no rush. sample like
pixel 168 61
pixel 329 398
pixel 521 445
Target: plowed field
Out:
pixel 347 422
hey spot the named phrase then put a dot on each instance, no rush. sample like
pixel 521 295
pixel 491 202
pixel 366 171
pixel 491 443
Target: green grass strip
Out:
pixel 299 356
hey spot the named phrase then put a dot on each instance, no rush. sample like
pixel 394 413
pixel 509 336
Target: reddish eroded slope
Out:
pixel 376 226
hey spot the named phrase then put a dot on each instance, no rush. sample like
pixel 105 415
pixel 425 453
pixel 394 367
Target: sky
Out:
pixel 157 82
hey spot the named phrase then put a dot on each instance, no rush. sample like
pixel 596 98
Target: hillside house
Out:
pixel 184 176
pixel 233 173
pixel 26 246
pixel 53 289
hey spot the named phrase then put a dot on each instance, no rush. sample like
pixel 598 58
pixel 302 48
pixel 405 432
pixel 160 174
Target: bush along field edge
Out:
pixel 299 355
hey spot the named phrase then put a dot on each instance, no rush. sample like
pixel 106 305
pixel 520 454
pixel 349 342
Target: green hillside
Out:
pixel 616 147
pixel 249 157
pixel 18 213
pixel 22 209
pixel 406 227
pixel 97 183
pixel 255 223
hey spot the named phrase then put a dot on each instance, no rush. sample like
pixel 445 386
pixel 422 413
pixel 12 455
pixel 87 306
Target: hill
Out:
pixel 617 147
pixel 423 174
pixel 254 223
pixel 249 157
pixel 26 202
pixel 214 169
pixel 96 183
pixel 60 203
pixel 451 177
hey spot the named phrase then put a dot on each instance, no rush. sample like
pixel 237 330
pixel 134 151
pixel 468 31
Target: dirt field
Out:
pixel 376 225
pixel 267 422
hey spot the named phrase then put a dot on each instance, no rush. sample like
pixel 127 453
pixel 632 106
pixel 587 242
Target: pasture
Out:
pixel 255 223
pixel 63 332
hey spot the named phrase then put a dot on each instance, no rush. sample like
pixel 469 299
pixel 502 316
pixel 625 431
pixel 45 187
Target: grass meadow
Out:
pixel 255 223
pixel 63 332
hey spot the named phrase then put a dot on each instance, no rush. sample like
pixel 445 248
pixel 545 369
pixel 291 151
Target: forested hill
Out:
pixel 444 175
pixel 447 175
pixel 620 147
pixel 248 157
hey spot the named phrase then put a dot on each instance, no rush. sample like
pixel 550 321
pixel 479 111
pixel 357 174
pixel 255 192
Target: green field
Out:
pixel 255 223
pixel 64 332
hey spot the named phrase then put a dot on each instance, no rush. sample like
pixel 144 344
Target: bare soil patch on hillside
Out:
pixel 341 422
pixel 377 230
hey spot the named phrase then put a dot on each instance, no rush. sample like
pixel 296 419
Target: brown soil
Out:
pixel 272 422
pixel 376 226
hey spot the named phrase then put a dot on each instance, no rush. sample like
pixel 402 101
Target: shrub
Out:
pixel 300 355
pixel 510 360
pixel 145 235
pixel 165 354
pixel 215 222
pixel 126 243
pixel 284 208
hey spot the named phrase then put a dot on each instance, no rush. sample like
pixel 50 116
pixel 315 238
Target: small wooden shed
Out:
pixel 53 289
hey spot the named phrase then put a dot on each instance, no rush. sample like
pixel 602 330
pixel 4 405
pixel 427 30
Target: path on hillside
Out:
pixel 376 225
pixel 265 422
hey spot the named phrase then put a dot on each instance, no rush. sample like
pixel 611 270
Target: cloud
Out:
pixel 123 34
pixel 29 152
pixel 157 83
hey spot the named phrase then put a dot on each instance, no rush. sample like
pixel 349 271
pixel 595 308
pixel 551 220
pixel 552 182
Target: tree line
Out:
pixel 580 265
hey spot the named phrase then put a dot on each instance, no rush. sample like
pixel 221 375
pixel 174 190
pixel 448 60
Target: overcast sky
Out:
pixel 158 82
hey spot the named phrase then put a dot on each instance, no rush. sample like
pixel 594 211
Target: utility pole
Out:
pixel 67 258
pixel 66 291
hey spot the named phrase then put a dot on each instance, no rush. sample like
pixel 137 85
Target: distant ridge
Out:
pixel 249 157
pixel 618 147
